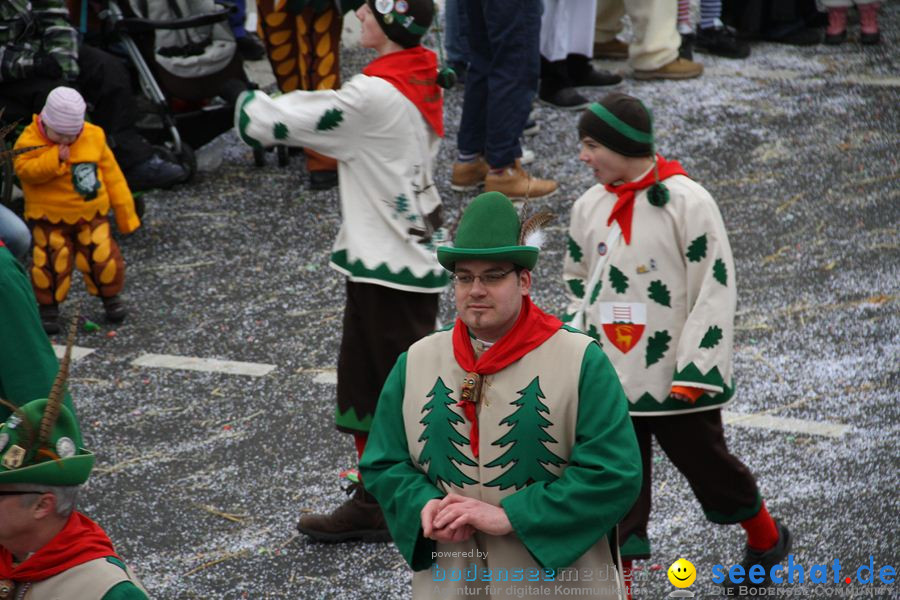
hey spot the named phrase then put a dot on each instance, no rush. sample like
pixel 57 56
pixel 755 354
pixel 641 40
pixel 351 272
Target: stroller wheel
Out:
pixel 283 156
pixel 259 157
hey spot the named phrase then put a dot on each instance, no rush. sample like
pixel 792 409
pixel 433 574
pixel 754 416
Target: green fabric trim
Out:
pixel 619 125
pixel 113 560
pixel 432 281
pixel 692 374
pixel 124 590
pixel 244 120
pixel 741 514
pixel 635 547
pixel 648 403
pixel 351 420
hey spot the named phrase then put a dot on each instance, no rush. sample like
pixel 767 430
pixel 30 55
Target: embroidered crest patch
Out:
pixel 384 6
pixel 85 180
pixel 623 323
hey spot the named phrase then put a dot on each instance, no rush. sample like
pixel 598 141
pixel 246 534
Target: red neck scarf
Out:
pixel 624 208
pixel 414 73
pixel 80 541
pixel 531 329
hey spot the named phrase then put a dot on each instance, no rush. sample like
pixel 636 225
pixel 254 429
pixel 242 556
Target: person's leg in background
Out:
pixel 456 37
pixel 250 46
pixel 653 53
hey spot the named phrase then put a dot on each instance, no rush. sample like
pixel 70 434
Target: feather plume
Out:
pixel 532 233
pixel 55 398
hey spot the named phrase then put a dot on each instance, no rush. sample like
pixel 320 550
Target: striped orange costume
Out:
pixel 303 39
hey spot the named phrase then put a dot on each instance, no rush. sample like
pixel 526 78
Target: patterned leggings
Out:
pixel 87 244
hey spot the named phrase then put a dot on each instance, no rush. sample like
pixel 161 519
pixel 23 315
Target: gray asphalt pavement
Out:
pixel 201 476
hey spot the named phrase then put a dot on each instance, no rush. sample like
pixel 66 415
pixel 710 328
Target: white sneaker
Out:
pixel 527 156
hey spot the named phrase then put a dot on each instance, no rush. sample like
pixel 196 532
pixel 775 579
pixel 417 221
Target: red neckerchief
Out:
pixel 80 541
pixel 624 208
pixel 532 328
pixel 414 73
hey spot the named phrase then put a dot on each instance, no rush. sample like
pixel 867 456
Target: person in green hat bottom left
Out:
pixel 48 549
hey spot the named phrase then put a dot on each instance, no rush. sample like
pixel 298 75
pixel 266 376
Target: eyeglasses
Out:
pixel 487 279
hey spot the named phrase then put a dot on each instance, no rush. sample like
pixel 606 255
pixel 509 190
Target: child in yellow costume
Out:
pixel 70 179
pixel 303 40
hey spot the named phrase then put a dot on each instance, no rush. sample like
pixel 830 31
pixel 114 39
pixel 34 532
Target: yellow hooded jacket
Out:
pixel 50 185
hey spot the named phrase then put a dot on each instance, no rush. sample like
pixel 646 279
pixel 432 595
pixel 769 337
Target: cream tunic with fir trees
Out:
pixel 385 152
pixel 557 452
pixel 663 309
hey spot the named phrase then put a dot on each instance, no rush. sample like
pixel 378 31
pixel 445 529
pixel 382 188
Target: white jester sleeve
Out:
pixel 576 264
pixel 704 355
pixel 328 121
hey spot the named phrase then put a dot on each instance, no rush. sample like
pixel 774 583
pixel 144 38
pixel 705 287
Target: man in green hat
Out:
pixel 502 444
pixel 48 549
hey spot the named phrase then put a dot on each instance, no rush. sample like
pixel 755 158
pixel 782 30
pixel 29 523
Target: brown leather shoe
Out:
pixel 680 68
pixel 358 518
pixel 614 48
pixel 469 175
pixel 516 184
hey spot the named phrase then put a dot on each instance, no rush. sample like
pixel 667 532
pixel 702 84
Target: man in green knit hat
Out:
pixel 49 550
pixel 480 454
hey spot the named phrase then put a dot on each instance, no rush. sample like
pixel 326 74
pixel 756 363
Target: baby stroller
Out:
pixel 187 67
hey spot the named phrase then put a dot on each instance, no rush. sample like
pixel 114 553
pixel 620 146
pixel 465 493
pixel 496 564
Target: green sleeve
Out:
pixel 401 489
pixel 27 362
pixel 559 521
pixel 125 590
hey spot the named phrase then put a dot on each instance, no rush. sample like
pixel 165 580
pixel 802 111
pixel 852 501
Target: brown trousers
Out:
pixel 86 244
pixel 304 50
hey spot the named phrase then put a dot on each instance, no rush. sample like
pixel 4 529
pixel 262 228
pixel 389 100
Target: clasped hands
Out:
pixel 456 518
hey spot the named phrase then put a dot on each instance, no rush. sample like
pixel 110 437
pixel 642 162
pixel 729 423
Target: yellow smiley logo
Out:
pixel 682 573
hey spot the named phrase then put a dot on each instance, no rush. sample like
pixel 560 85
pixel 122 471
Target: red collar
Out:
pixel 414 73
pixel 624 208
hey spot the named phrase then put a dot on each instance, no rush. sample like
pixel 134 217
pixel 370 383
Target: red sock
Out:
pixel 360 440
pixel 626 575
pixel 762 534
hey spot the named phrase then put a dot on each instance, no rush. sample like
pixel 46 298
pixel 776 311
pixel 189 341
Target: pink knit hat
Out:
pixel 64 111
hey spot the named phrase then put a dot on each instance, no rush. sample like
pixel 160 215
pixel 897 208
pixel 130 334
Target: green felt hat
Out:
pixel 490 230
pixel 51 458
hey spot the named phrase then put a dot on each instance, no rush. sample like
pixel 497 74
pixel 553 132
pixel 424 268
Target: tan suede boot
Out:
pixel 516 184
pixel 680 68
pixel 468 175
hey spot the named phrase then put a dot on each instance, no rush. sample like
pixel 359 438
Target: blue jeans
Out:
pixel 237 18
pixel 15 234
pixel 456 31
pixel 504 64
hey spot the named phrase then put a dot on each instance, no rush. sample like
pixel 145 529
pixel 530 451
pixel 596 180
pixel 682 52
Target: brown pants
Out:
pixel 87 244
pixel 304 50
pixel 695 443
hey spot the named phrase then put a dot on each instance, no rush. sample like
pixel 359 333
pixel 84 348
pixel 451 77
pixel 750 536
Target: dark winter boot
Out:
pixel 358 518
pixel 556 87
pixel 583 74
pixel 868 23
pixel 49 318
pixel 115 309
pixel 837 25
pixel 766 560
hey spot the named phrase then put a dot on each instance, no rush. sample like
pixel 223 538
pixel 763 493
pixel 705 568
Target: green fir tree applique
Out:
pixel 330 119
pixel 596 291
pixel 441 439
pixel 527 453
pixel 697 249
pixel 618 279
pixel 401 204
pixel 574 250
pixel 577 287
pixel 720 271
pixel 280 131
pixel 659 293
pixel 712 337
pixel 657 346
pixel 592 331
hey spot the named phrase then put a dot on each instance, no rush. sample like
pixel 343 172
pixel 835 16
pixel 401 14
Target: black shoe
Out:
pixel 837 38
pixel 795 35
pixel 766 560
pixel 582 73
pixel 322 180
pixel 251 47
pixel 358 518
pixel 155 173
pixel 532 127
pixel 686 50
pixel 566 99
pixel 49 318
pixel 869 39
pixel 721 41
pixel 115 309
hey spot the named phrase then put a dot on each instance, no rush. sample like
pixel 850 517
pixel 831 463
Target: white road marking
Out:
pixel 787 424
pixel 77 351
pixel 209 365
pixel 326 377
